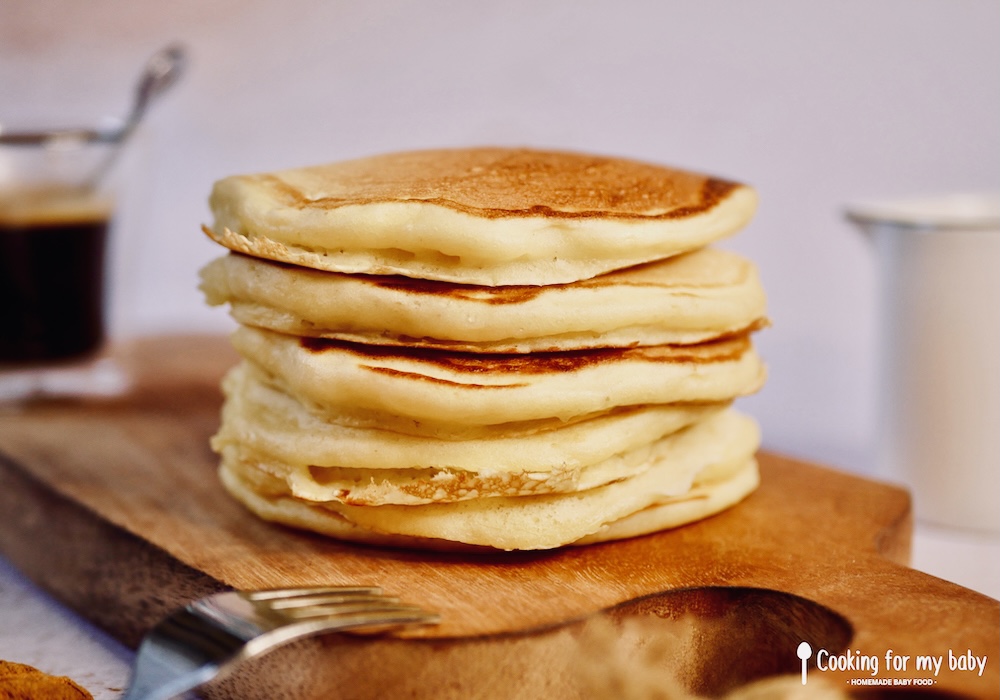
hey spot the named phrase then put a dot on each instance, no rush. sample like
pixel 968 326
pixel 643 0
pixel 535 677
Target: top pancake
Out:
pixel 486 216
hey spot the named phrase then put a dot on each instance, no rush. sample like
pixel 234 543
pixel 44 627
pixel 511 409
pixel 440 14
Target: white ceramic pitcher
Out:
pixel 939 432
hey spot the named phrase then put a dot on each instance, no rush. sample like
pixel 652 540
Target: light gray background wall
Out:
pixel 814 103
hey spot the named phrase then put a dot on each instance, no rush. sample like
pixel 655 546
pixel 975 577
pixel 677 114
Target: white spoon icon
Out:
pixel 804 652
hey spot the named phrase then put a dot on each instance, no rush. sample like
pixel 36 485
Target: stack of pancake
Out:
pixel 486 347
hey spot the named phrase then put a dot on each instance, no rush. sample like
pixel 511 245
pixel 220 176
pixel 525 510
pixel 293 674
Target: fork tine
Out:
pixel 368 620
pixel 290 593
pixel 342 610
pixel 336 604
pixel 371 620
pixel 327 600
pixel 333 603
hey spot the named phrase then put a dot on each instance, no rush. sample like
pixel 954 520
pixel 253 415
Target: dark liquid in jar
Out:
pixel 51 289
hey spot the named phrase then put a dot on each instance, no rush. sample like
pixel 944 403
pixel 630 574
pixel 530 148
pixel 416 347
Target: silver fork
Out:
pixel 210 636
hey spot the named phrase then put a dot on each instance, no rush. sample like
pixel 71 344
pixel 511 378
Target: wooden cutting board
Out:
pixel 114 507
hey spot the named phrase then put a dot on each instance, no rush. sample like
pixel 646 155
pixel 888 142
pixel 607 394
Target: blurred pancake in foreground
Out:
pixel 484 216
pixel 686 299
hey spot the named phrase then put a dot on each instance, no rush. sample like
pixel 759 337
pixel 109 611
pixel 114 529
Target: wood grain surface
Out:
pixel 114 507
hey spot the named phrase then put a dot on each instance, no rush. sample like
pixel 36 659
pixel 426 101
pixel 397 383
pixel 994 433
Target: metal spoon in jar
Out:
pixel 160 73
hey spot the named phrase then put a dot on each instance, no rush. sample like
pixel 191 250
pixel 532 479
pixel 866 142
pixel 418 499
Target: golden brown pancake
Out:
pixel 485 216
pixel 667 494
pixel 323 457
pixel 686 299
pixel 483 389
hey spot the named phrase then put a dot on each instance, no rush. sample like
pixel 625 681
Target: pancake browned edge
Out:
pixel 686 299
pixel 700 470
pixel 486 216
pixel 437 386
